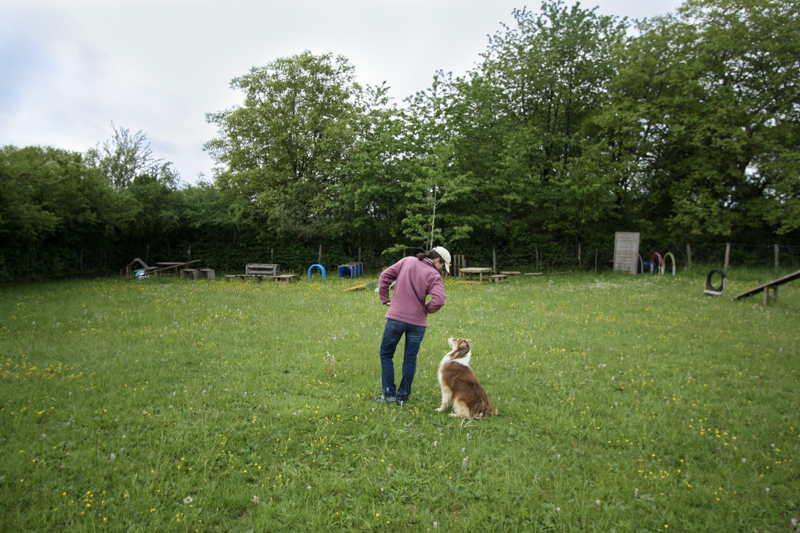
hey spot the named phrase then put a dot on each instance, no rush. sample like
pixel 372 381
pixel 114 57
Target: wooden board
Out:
pixel 774 283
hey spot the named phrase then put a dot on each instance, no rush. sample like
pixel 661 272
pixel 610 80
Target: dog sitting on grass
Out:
pixel 460 387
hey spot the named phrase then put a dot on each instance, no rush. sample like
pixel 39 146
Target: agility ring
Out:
pixel 653 264
pixel 668 254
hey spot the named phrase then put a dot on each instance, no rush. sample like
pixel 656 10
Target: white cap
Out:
pixel 445 255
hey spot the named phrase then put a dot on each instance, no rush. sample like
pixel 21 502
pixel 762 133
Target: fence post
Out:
pixel 727 256
pixel 777 264
pixel 494 262
pixel 537 257
pixel 689 255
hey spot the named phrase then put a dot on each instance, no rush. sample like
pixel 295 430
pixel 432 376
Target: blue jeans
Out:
pixel 391 336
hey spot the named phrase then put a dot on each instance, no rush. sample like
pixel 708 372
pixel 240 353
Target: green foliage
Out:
pixel 567 130
pixel 282 148
pixel 708 105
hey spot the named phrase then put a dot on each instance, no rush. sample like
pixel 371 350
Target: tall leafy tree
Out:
pixel 284 146
pixel 527 119
pixel 123 157
pixel 707 103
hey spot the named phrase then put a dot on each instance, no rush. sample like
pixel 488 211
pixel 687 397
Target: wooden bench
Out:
pixel 258 271
pixel 285 278
pixel 499 278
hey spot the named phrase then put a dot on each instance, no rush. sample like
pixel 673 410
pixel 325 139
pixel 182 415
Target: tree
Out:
pixel 284 147
pixel 525 121
pixel 709 105
pixel 123 157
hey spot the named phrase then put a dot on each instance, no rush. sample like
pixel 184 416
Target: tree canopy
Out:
pixel 571 126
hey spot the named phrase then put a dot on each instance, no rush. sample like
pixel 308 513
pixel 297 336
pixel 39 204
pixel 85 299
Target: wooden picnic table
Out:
pixel 168 265
pixel 474 270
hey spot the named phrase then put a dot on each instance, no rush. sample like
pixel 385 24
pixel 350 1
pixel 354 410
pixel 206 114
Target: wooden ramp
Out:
pixel 774 284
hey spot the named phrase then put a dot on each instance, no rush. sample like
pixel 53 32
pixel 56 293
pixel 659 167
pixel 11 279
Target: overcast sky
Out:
pixel 68 68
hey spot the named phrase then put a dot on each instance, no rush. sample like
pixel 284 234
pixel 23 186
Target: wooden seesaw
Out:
pixel 774 284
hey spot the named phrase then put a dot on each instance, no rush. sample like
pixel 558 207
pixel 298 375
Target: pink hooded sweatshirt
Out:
pixel 415 281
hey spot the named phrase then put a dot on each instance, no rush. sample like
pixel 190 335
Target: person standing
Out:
pixel 415 278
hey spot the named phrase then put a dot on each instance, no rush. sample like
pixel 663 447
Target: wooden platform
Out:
pixel 499 278
pixel 511 272
pixel 774 284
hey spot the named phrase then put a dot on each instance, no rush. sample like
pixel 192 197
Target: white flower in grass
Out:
pixel 767 490
pixel 113 456
pixel 388 471
pixel 44 436
pixel 308 488
pixel 187 500
pixel 635 493
pixel 794 521
pixel 255 499
pixel 597 502
pixel 744 460
pixel 435 443
pixel 558 509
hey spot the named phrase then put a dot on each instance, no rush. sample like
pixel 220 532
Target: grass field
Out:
pixel 626 404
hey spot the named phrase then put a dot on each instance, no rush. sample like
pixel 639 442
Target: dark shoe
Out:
pixel 385 399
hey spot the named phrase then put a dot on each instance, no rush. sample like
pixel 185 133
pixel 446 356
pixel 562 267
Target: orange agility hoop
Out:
pixel 653 264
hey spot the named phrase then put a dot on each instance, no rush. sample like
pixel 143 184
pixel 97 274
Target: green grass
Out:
pixel 607 386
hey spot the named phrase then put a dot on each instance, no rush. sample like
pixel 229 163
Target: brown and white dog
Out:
pixel 460 386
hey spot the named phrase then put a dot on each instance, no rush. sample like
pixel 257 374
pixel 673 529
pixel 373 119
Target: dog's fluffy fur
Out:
pixel 460 387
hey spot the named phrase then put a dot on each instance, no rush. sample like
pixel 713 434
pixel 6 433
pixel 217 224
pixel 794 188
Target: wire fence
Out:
pixel 552 257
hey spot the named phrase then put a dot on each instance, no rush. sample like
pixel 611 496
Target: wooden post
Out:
pixel 596 252
pixel 494 262
pixel 689 255
pixel 727 256
pixel 319 257
pixel 580 263
pixel 537 257
pixel 777 266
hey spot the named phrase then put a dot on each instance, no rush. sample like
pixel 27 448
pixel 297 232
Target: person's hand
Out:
pixel 387 304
